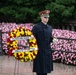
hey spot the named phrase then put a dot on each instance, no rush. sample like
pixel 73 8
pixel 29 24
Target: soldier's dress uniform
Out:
pixel 43 63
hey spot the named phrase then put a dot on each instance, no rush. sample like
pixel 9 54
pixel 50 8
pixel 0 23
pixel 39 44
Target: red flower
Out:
pixel 8 40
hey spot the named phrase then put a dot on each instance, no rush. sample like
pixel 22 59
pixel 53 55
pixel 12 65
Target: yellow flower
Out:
pixel 26 58
pixel 22 32
pixel 35 51
pixel 28 33
pixel 18 33
pixel 22 60
pixel 30 56
pixel 14 43
pixel 11 34
pixel 21 54
pixel 32 40
pixel 15 30
pixel 15 54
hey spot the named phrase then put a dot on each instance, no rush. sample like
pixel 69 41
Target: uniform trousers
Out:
pixel 41 73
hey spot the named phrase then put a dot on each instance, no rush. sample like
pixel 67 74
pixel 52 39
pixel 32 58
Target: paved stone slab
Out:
pixel 10 66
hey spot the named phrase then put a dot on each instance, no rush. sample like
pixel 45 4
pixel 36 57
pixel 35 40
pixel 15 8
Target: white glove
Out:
pixel 55 40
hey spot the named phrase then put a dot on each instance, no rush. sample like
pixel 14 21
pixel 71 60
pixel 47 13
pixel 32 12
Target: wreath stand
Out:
pixel 12 44
pixel 16 67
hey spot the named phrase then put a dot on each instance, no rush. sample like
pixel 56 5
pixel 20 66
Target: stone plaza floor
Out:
pixel 11 66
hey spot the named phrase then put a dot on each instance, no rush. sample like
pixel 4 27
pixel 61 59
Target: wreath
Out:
pixel 21 43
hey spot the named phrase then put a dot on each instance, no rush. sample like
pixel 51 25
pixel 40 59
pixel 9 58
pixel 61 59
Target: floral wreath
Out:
pixel 29 52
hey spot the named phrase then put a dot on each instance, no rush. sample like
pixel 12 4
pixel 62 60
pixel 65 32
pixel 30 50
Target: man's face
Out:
pixel 44 18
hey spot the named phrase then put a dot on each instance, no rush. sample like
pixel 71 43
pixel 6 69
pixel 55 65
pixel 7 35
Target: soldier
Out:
pixel 43 62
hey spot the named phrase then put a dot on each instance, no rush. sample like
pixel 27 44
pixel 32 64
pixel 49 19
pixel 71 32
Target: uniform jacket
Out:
pixel 43 62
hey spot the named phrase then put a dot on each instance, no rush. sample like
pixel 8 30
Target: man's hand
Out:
pixel 55 40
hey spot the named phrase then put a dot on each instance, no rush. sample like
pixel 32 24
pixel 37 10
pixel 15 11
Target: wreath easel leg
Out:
pixel 16 68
